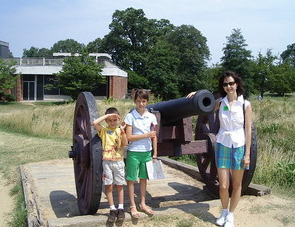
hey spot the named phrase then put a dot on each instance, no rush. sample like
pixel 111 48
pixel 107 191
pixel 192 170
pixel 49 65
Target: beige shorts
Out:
pixel 113 172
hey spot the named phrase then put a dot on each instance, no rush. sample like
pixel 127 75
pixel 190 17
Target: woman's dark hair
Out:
pixel 238 80
pixel 142 94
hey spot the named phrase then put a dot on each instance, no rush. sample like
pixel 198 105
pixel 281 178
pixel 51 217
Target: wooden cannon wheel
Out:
pixel 87 155
pixel 206 128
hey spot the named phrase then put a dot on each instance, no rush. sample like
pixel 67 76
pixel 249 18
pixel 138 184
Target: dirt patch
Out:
pixel 6 204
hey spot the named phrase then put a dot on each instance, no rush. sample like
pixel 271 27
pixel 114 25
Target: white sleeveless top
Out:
pixel 231 132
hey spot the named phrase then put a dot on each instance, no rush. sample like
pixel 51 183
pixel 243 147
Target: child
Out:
pixel 141 142
pixel 113 140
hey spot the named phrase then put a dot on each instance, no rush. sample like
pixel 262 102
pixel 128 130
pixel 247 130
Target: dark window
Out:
pixel 50 80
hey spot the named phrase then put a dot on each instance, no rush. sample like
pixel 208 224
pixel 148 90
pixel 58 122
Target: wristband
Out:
pixel 122 132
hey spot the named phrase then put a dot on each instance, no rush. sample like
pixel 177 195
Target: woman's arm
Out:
pixel 248 133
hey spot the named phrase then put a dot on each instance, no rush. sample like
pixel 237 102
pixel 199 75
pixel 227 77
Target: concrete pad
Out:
pixel 50 195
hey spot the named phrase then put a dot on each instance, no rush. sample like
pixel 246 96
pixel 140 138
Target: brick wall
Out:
pixel 19 90
pixel 118 87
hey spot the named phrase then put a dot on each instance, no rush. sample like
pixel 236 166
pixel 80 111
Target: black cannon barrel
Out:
pixel 203 102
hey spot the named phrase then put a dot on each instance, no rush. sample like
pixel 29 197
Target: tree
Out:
pixel 192 51
pixel 237 58
pixel 129 39
pixel 79 73
pixel 35 52
pixel 95 46
pixel 136 81
pixel 7 77
pixel 289 54
pixel 162 70
pixel 67 46
pixel 130 42
pixel 262 71
pixel 282 80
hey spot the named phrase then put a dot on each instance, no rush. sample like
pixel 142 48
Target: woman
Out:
pixel 232 153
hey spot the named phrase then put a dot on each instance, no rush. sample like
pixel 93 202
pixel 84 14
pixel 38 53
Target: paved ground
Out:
pixel 50 194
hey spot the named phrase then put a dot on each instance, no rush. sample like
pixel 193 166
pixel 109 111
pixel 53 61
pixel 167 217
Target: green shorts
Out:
pixel 135 165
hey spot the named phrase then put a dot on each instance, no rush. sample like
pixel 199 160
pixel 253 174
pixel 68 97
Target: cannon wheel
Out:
pixel 206 128
pixel 87 155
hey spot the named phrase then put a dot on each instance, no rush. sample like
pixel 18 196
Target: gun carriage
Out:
pixel 176 137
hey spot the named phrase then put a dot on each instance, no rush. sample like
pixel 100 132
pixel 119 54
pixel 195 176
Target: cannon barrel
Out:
pixel 203 102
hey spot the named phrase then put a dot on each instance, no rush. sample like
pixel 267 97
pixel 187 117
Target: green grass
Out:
pixel 18 149
pixel 11 107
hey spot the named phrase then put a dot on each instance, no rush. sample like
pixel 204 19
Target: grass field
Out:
pixel 43 131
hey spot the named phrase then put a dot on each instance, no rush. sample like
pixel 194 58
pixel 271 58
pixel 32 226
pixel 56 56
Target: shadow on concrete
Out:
pixel 64 204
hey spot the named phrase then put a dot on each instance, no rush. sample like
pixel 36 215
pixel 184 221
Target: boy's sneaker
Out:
pixel 221 220
pixel 112 216
pixel 121 214
pixel 229 222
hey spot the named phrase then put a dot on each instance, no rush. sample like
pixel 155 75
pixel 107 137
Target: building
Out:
pixel 35 73
pixel 4 50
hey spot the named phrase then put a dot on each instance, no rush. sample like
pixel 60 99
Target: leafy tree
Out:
pixel 7 77
pixel 289 54
pixel 237 58
pixel 95 46
pixel 35 52
pixel 192 51
pixel 79 73
pixel 129 39
pixel 133 40
pixel 282 80
pixel 162 70
pixel 263 69
pixel 67 46
pixel 211 76
pixel 136 81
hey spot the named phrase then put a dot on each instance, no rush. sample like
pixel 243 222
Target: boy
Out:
pixel 113 140
pixel 141 134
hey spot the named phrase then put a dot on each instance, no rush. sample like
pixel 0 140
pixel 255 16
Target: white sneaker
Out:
pixel 221 220
pixel 229 222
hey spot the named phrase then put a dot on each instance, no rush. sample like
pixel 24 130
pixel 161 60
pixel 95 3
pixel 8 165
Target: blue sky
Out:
pixel 265 24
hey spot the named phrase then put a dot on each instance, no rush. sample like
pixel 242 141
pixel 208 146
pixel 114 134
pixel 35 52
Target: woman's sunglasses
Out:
pixel 229 83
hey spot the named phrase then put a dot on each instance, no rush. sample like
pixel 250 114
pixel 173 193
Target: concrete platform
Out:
pixel 50 195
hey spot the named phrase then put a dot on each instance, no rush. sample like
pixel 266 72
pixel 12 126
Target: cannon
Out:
pixel 176 137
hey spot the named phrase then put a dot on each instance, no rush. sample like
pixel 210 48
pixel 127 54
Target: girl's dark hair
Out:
pixel 112 110
pixel 238 80
pixel 142 94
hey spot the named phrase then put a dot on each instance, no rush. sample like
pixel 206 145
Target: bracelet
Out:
pixel 247 158
pixel 122 132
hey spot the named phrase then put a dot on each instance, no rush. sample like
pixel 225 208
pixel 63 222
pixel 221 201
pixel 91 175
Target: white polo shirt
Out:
pixel 231 132
pixel 140 124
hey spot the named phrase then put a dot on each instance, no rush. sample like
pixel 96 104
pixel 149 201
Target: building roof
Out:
pixel 45 66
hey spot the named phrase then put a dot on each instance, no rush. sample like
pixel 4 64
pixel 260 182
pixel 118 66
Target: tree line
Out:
pixel 173 60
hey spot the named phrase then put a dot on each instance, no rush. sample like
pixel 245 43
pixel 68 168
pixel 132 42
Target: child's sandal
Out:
pixel 135 215
pixel 146 209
